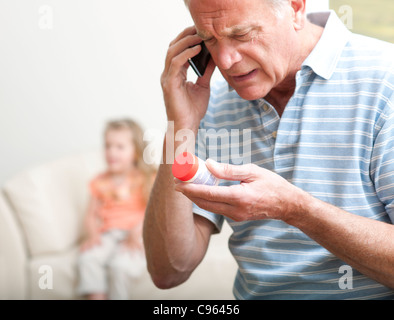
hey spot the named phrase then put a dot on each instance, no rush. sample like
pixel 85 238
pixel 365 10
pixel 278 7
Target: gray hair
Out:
pixel 275 3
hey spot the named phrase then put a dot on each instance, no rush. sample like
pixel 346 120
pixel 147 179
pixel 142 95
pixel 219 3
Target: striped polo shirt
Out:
pixel 335 140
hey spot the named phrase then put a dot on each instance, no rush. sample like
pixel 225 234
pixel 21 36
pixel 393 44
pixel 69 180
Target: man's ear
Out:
pixel 298 11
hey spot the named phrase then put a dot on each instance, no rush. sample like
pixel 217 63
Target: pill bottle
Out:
pixel 189 168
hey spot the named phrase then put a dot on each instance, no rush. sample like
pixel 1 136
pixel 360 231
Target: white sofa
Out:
pixel 41 214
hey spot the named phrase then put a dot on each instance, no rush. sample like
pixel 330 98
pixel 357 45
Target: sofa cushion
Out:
pixel 50 201
pixel 12 255
pixel 55 276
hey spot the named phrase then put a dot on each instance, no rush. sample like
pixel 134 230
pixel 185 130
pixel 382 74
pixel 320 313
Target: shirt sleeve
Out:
pixel 382 161
pixel 94 189
pixel 201 152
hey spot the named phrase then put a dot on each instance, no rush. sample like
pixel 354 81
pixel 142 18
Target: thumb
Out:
pixel 230 172
pixel 205 80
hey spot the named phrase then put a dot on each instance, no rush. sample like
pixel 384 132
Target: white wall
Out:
pixel 101 59
pixel 317 5
pixel 66 66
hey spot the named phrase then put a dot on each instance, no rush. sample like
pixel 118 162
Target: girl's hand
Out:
pixel 90 242
pixel 133 244
pixel 134 239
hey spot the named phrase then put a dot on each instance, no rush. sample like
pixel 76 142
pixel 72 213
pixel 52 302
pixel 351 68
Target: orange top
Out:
pixel 185 166
pixel 122 205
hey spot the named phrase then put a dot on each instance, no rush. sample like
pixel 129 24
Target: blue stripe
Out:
pixel 334 140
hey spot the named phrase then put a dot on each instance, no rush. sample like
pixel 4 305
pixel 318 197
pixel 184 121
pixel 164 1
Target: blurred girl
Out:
pixel 113 249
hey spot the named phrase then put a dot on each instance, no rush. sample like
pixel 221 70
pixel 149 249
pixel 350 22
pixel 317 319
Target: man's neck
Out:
pixel 281 94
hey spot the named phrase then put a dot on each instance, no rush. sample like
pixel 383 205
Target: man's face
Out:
pixel 250 45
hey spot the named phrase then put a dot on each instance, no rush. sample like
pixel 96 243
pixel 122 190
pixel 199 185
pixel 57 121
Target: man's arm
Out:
pixel 175 239
pixel 363 243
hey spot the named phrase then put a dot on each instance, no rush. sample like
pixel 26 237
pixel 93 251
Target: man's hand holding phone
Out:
pixel 186 102
pixel 199 63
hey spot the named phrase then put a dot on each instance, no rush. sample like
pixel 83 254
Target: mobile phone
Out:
pixel 200 62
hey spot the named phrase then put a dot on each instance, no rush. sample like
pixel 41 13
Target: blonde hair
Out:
pixel 148 171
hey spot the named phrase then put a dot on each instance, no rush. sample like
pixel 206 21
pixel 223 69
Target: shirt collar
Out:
pixel 324 57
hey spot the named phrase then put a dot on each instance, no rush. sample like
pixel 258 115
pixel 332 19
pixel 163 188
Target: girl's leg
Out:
pixel 92 268
pixel 124 268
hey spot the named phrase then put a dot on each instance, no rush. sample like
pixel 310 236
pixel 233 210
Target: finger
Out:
pixel 184 43
pixel 184 40
pixel 231 172
pixel 205 80
pixel 186 32
pixel 179 47
pixel 180 62
pixel 223 194
pixel 224 209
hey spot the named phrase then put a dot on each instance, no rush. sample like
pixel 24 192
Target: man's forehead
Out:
pixel 227 31
pixel 225 17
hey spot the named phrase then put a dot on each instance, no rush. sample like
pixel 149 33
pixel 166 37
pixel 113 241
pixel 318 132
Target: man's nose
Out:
pixel 227 55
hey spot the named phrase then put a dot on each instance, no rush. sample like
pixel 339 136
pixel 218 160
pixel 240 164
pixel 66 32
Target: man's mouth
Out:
pixel 244 76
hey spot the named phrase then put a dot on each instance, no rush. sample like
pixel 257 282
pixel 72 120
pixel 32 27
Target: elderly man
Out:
pixel 314 205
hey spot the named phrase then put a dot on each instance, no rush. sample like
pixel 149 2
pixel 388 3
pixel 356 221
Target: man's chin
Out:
pixel 251 93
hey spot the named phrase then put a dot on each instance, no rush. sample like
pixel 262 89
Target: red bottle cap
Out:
pixel 185 166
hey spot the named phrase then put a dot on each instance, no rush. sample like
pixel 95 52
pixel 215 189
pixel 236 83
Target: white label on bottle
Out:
pixel 203 176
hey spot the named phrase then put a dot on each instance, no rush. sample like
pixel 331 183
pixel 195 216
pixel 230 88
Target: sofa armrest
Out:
pixel 13 273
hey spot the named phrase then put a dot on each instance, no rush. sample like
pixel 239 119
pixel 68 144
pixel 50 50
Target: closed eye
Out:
pixel 209 41
pixel 242 37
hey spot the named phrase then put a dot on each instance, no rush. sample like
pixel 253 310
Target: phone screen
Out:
pixel 200 62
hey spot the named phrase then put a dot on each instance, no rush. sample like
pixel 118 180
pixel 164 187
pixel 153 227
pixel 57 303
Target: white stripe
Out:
pixel 237 294
pixel 233 122
pixel 288 273
pixel 328 120
pixel 277 263
pixel 327 169
pixel 282 251
pixel 384 143
pixel 227 102
pixel 382 165
pixel 267 228
pixel 272 249
pixel 359 58
pixel 380 156
pixel 277 284
pixel 276 240
pixel 361 195
pixel 389 174
pixel 386 187
pixel 343 94
pixel 362 69
pixel 323 157
pixel 230 111
pixel 324 132
pixel 373 296
pixel 323 292
pixel 334 107
pixel 358 183
pixel 324 145
pixel 349 82
pixel 363 207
